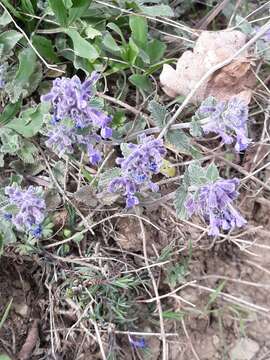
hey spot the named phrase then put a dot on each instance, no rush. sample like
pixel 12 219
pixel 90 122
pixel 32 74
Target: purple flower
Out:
pixel 138 166
pixel 2 73
pixel 74 119
pixel 137 343
pixel 214 203
pixel 30 208
pixel 229 120
pixel 265 37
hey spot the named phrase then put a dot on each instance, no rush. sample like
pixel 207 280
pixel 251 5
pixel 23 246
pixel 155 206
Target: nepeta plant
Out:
pixel 26 209
pixel 227 119
pixel 2 76
pixel 140 162
pixel 74 121
pixel 213 202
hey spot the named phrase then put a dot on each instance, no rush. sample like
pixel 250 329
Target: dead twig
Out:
pixel 30 342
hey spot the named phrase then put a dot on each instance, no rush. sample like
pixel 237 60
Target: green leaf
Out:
pixel 125 149
pixel 60 11
pixel 155 50
pixel 182 142
pixel 179 201
pixel 4 357
pixel 91 32
pixel 30 121
pixel 10 112
pixel 45 47
pixel 158 113
pixel 118 31
pixel 195 129
pixel 27 64
pixel 212 173
pixel 173 315
pixel 9 39
pixel 5 19
pixel 8 236
pixel 28 152
pixel 10 141
pixel 81 46
pixel 141 81
pixel 157 10
pixel 67 3
pixel 243 24
pixel 130 52
pixel 12 9
pixel 197 175
pixel 5 315
pixel 27 7
pixel 78 9
pixel 139 30
pixel 110 43
pixel 108 175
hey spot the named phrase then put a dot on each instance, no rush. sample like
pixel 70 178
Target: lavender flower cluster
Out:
pixel 137 168
pixel 74 121
pixel 2 74
pixel 214 203
pixel 30 209
pixel 227 119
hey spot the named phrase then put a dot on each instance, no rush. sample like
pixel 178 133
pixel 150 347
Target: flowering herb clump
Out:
pixel 213 202
pixel 139 164
pixel 75 122
pixel 2 75
pixel 227 119
pixel 26 209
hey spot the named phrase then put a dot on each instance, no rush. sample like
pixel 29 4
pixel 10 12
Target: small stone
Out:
pixel 216 341
pixel 244 349
pixel 21 309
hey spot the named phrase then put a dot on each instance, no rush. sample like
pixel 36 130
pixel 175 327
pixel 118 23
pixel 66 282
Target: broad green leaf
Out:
pixel 45 48
pixel 130 52
pixel 108 175
pixel 155 50
pixel 4 357
pixel 195 129
pixel 30 121
pixel 11 141
pixel 125 149
pixel 139 30
pixel 60 11
pixel 118 31
pixel 91 32
pixel 81 46
pixel 197 175
pixel 28 152
pixel 181 142
pixel 67 3
pixel 141 81
pixel 10 112
pixel 212 173
pixel 110 43
pixel 157 10
pixel 179 202
pixel 8 236
pixel 5 19
pixel 27 64
pixel 243 24
pixel 9 39
pixel 158 113
pixel 167 169
pixel 78 9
